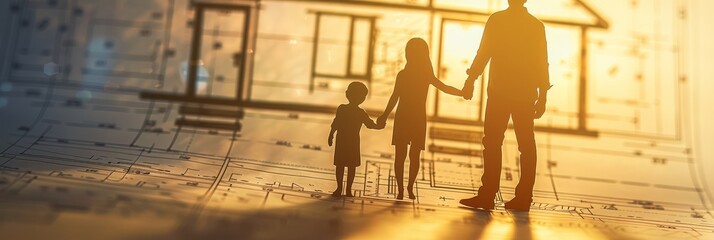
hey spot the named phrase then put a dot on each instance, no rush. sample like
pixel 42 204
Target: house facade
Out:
pixel 299 55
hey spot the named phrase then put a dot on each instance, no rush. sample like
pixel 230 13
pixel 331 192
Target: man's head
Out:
pixel 516 2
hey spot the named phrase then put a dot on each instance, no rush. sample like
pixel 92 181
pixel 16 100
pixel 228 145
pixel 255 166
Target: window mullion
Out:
pixel 350 42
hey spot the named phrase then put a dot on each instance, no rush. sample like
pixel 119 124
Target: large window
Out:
pixel 459 42
pixel 343 47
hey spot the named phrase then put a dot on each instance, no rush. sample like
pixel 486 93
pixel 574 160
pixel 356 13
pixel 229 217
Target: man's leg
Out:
pixel 523 115
pixel 495 124
pixel 494 127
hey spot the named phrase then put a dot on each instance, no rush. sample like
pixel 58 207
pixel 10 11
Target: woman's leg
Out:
pixel 350 180
pixel 400 156
pixel 339 173
pixel 414 160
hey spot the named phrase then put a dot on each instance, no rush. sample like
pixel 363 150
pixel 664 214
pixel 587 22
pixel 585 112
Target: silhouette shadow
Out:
pixel 473 228
pixel 522 223
pixel 514 42
pixel 325 218
pixel 410 92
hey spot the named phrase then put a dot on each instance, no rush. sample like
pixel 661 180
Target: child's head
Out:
pixel 356 92
pixel 417 54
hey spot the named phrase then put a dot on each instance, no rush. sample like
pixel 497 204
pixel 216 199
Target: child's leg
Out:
pixel 400 156
pixel 414 155
pixel 350 179
pixel 339 173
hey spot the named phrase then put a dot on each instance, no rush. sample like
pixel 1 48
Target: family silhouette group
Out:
pixel 515 45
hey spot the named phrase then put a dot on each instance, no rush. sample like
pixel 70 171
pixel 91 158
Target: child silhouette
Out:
pixel 347 123
pixel 410 90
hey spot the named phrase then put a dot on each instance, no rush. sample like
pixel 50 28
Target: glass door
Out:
pixel 218 52
pixel 222 52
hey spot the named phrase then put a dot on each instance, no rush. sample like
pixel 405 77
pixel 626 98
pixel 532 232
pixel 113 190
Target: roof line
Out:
pixel 601 22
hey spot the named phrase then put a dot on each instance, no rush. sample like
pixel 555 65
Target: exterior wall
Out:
pixel 284 58
pixel 110 46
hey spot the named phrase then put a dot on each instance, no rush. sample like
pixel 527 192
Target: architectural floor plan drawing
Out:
pixel 170 119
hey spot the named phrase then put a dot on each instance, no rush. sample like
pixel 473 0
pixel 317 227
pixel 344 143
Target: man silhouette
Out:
pixel 514 42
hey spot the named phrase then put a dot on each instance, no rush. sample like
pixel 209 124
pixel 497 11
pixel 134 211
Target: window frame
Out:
pixel 348 75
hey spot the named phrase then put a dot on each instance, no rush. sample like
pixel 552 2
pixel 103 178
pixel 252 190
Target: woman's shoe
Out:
pixel 337 192
pixel 411 194
pixel 400 195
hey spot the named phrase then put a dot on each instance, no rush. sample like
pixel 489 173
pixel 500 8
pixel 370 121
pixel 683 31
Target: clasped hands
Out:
pixel 382 121
pixel 468 92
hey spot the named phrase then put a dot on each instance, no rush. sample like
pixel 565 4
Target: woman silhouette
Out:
pixel 410 90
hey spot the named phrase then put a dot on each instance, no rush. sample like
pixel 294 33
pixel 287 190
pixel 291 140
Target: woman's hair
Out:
pixel 417 54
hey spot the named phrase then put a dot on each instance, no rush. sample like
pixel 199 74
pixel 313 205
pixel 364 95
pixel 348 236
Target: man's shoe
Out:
pixel 519 204
pixel 479 202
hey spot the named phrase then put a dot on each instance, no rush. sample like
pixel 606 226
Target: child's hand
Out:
pixel 329 141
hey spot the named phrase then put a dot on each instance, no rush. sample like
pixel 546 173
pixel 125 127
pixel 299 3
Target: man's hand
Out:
pixel 540 108
pixel 329 141
pixel 468 91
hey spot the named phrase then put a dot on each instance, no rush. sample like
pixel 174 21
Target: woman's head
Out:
pixel 356 92
pixel 417 51
pixel 417 54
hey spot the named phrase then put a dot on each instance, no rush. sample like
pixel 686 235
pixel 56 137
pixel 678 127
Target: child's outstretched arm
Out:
pixel 445 88
pixel 369 123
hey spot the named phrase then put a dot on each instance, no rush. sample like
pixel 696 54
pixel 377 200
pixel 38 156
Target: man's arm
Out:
pixel 543 75
pixel 482 57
